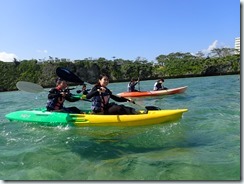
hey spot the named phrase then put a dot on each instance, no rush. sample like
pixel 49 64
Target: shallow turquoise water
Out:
pixel 203 145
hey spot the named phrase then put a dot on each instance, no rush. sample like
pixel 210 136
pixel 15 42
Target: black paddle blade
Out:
pixel 67 75
pixel 152 108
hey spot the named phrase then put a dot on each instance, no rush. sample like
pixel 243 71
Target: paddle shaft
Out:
pixel 139 84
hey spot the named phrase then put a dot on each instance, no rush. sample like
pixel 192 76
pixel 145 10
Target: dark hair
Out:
pixel 100 77
pixel 59 80
pixel 103 75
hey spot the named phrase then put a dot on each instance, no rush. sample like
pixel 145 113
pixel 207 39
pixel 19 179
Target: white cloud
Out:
pixel 210 47
pixel 7 57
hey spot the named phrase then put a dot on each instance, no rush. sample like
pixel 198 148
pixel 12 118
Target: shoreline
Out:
pixel 166 77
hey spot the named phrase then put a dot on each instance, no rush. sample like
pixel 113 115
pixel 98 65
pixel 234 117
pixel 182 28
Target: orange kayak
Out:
pixel 153 93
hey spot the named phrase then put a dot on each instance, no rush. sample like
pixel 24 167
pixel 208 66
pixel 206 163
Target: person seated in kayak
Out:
pixel 132 84
pixel 159 85
pixel 83 90
pixel 58 95
pixel 101 95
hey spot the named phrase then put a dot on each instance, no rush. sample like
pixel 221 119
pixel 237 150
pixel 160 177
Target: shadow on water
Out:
pixel 103 150
pixel 145 141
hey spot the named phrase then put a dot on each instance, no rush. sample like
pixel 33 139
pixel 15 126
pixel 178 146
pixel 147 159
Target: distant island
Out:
pixel 224 61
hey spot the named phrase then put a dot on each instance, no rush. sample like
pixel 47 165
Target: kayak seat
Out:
pixel 152 108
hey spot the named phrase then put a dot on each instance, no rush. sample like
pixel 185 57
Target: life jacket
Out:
pixel 100 102
pixel 159 86
pixel 131 86
pixel 57 102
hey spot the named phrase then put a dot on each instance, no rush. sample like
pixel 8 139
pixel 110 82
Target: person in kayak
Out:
pixel 101 95
pixel 159 85
pixel 83 90
pixel 132 84
pixel 58 95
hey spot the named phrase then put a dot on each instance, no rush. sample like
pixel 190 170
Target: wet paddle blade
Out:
pixel 29 87
pixel 67 75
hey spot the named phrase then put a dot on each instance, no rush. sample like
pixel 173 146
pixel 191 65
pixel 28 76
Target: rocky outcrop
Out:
pixel 217 70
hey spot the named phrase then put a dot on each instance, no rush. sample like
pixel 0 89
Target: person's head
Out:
pixel 161 80
pixel 103 80
pixel 61 83
pixel 132 80
pixel 84 86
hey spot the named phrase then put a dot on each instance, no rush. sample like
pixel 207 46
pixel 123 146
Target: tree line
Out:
pixel 219 62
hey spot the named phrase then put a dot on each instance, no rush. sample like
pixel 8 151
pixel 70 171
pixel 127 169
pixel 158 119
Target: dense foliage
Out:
pixel 219 62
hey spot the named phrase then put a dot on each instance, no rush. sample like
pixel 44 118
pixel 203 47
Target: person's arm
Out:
pixel 71 98
pixel 53 93
pixel 133 85
pixel 120 99
pixel 92 93
pixel 165 88
pixel 155 87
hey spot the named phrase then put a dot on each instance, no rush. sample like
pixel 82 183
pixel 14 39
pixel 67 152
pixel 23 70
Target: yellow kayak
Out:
pixel 151 118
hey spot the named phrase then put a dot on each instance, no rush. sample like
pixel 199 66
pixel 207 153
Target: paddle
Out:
pixel 67 75
pixel 29 87
pixel 139 75
pixel 139 83
pixel 35 88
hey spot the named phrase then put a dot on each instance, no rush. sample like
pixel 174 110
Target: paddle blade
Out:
pixel 67 75
pixel 29 87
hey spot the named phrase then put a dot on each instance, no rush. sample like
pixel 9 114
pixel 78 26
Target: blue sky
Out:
pixel 127 29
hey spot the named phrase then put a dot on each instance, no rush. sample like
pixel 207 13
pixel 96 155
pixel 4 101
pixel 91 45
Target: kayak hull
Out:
pixel 153 93
pixel 44 117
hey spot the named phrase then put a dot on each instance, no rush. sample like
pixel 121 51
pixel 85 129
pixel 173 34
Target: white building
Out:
pixel 237 45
